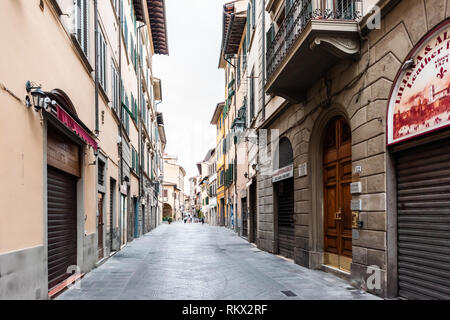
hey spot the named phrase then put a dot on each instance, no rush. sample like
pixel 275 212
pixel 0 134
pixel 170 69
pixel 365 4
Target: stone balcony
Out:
pixel 312 38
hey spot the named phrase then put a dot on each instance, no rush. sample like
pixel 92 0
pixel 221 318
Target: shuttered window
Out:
pixel 252 97
pixel 114 87
pixel 254 13
pixel 82 24
pixel 101 173
pixel 270 35
pixel 125 33
pixel 102 60
pixel 248 24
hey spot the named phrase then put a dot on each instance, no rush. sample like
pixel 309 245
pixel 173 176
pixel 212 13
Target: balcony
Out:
pixel 312 38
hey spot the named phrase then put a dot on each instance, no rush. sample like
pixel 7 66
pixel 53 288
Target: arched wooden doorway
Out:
pixel 284 199
pixel 337 177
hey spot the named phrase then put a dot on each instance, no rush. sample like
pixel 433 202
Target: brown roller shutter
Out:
pixel 286 229
pixel 62 225
pixel 423 213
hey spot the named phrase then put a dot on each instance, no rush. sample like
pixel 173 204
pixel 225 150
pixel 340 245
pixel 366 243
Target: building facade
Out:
pixel 76 145
pixel 173 188
pixel 349 102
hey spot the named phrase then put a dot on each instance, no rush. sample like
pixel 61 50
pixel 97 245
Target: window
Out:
pixel 238 70
pixel 82 24
pixel 102 60
pixel 135 160
pixel 288 6
pixel 101 172
pixel 249 22
pixel 114 87
pixel 254 12
pixel 244 54
pixel 252 96
pixel 270 35
pixel 117 6
pixel 125 33
pixel 165 193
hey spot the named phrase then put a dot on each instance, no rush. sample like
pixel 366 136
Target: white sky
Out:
pixel 192 84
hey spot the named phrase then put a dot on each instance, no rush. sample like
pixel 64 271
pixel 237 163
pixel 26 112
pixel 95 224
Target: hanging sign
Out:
pixel 420 99
pixel 283 173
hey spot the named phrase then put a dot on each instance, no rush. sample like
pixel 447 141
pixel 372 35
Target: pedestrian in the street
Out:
pixel 203 220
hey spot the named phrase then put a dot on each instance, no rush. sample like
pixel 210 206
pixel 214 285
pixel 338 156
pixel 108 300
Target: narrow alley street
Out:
pixel 201 262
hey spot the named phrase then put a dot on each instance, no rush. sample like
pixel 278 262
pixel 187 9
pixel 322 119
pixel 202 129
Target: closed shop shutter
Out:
pixel 286 229
pixel 423 213
pixel 62 225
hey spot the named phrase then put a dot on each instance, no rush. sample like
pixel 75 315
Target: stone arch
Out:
pixel 316 180
pixel 284 154
pixel 64 101
pixel 167 210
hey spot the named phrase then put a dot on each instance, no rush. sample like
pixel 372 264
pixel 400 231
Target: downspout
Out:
pixel 96 66
pixel 140 119
pixel 120 122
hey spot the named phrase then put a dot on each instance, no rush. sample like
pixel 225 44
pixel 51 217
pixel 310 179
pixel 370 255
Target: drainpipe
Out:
pixel 120 122
pixel 96 66
pixel 139 118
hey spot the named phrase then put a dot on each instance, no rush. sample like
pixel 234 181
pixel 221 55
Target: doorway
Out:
pixel 244 217
pixel 100 225
pixel 253 215
pixel 112 197
pixel 337 177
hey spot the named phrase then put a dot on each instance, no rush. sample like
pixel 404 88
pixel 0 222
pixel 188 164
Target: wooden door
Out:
pixel 100 226
pixel 337 168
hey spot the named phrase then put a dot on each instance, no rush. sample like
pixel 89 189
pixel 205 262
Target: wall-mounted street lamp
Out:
pixel 39 99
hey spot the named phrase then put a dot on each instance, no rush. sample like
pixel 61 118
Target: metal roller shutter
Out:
pixel 286 229
pixel 62 225
pixel 423 213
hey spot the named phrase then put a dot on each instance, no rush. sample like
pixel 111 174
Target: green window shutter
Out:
pixel 248 22
pixel 254 13
pixel 270 35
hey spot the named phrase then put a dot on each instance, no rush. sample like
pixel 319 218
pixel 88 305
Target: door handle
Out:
pixel 338 215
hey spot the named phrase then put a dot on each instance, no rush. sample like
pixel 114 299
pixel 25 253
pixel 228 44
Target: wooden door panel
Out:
pixel 337 168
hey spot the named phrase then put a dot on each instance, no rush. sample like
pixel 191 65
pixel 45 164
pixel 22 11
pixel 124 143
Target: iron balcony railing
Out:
pixel 300 13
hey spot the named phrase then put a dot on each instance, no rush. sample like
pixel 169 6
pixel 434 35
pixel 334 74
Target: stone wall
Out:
pixel 359 91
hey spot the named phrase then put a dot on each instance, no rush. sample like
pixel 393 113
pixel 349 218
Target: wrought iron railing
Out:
pixel 300 13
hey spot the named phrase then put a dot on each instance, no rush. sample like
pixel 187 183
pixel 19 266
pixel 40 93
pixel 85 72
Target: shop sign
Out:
pixel 124 189
pixel 283 174
pixel 420 99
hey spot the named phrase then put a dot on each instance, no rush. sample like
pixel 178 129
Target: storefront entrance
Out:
pixel 63 170
pixel 423 221
pixel 244 217
pixel 337 175
pixel 283 184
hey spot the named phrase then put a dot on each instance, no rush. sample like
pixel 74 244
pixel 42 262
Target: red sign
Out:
pixel 420 100
pixel 283 173
pixel 70 123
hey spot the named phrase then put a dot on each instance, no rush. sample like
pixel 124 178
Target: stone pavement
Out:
pixel 200 262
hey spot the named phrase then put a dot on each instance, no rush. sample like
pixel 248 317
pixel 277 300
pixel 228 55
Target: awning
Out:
pixel 74 126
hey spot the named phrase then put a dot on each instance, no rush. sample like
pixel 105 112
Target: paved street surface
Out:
pixel 200 262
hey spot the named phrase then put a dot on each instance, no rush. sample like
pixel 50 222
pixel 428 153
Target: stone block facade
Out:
pixel 360 90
